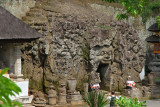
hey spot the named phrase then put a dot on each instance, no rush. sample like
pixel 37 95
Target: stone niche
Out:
pixel 104 75
pixel 10 57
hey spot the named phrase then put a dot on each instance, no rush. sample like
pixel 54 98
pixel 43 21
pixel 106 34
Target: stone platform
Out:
pixel 155 92
pixel 155 86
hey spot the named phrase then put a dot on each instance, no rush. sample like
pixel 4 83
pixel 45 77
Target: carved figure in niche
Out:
pixel 117 56
pixel 115 68
pixel 107 58
pixel 95 80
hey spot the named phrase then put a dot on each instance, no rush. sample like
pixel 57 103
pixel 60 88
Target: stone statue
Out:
pixel 52 94
pixel 95 80
pixel 62 89
pixel 62 94
pixel 95 77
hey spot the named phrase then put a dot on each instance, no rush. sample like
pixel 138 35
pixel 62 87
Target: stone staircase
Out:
pixel 37 18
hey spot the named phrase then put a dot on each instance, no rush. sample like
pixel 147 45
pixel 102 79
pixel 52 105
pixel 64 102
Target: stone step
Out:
pixel 49 8
pixel 31 18
pixel 34 14
pixel 36 21
pixel 25 99
pixel 29 22
pixel 34 9
pixel 28 18
pixel 43 28
pixel 28 105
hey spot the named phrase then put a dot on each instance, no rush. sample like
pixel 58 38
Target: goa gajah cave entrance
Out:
pixel 104 76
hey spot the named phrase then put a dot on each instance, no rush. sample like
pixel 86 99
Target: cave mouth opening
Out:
pixel 104 75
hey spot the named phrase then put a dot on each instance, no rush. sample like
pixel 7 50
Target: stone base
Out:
pixel 39 105
pixel 155 92
pixel 62 99
pixel 76 102
pixel 25 99
pixel 126 92
pixel 52 101
pixel 72 98
pixel 39 102
pixel 27 105
pixel 136 93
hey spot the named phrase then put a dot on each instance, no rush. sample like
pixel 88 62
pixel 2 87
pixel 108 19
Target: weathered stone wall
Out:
pixel 77 41
pixel 141 28
pixel 18 7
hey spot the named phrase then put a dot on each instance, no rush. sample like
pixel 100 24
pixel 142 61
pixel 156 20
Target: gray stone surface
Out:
pixel 153 103
pixel 76 44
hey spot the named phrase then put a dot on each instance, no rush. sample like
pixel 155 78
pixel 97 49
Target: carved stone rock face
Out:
pixel 106 42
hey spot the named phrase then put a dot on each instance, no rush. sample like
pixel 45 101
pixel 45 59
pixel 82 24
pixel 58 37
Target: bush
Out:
pixel 96 99
pixel 124 102
pixel 8 88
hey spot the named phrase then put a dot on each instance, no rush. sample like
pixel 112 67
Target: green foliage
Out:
pixel 150 9
pixel 85 51
pixel 96 99
pixel 144 8
pixel 158 21
pixel 133 7
pixel 124 102
pixel 122 16
pixel 8 88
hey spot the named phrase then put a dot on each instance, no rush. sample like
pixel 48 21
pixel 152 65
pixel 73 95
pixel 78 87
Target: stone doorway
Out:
pixel 104 76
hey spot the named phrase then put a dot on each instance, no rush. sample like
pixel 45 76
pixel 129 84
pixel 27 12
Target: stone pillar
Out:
pixel 52 95
pixel 85 87
pixel 62 94
pixel 11 58
pixel 17 65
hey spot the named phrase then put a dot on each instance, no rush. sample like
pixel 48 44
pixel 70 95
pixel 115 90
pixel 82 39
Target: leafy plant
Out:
pixel 144 8
pixel 96 99
pixel 124 102
pixel 8 88
pixel 158 21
